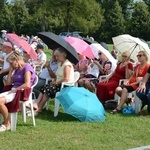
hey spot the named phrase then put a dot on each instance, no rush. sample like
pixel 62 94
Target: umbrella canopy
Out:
pixel 96 47
pixel 80 46
pixel 22 44
pixel 82 104
pixel 54 41
pixel 89 41
pixel 127 42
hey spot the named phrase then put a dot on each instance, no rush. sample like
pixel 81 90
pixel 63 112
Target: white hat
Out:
pixel 4 31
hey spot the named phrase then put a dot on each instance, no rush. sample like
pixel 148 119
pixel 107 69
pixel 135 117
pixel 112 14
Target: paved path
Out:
pixel 141 148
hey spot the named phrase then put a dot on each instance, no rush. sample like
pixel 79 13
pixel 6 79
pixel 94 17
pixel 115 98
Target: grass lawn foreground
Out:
pixel 118 132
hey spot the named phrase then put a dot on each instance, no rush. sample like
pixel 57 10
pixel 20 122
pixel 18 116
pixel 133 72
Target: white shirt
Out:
pixel 6 64
pixel 94 69
pixel 41 56
pixel 45 74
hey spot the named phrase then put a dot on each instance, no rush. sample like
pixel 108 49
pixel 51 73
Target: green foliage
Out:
pixel 101 19
pixel 21 17
pixel 140 22
pixel 114 24
pixel 147 2
pixel 6 18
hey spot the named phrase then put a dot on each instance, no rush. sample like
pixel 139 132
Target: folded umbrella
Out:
pixel 54 41
pixel 82 104
pixel 22 44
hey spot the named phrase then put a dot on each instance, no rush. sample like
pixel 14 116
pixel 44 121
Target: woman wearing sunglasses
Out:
pixel 97 68
pixel 133 82
pixel 106 88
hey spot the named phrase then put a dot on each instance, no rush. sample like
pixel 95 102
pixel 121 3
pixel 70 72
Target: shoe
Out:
pixel 4 128
pixel 116 110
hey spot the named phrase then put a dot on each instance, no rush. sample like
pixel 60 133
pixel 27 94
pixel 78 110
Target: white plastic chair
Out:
pixel 13 116
pixel 73 83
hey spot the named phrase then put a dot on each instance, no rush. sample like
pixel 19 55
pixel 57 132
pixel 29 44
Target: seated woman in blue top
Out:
pixel 21 75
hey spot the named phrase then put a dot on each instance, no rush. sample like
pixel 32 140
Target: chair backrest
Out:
pixel 76 76
pixel 74 82
pixel 35 81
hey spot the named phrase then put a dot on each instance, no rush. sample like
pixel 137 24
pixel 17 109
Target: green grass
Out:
pixel 118 132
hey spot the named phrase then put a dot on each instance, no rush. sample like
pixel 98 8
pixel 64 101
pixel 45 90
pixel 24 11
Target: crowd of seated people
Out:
pixel 60 69
pixel 133 82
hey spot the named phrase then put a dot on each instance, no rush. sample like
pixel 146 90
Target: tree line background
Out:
pixel 101 19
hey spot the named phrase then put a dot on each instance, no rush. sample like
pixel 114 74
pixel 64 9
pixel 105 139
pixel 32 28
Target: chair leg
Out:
pixel 13 117
pixel 23 105
pixel 137 104
pixel 47 104
pixel 56 109
pixel 32 113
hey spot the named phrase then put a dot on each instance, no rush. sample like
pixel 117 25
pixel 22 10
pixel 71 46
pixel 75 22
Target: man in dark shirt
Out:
pixel 144 94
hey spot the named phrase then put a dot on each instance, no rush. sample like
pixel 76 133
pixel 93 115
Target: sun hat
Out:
pixel 7 44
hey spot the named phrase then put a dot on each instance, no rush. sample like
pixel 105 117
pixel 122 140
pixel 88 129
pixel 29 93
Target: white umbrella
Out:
pixel 96 47
pixel 127 42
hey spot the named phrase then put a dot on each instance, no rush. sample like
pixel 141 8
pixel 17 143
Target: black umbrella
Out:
pixel 54 41
pixel 89 41
pixel 104 45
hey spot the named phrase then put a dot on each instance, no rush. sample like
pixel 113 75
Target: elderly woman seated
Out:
pixel 21 75
pixel 82 65
pixel 64 73
pixel 103 66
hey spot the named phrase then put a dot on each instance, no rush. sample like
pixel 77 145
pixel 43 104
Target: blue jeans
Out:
pixel 145 96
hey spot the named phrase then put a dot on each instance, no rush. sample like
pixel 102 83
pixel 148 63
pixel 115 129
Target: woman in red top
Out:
pixel 106 88
pixel 133 83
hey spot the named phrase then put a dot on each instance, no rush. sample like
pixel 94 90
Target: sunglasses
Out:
pixel 139 55
pixel 99 53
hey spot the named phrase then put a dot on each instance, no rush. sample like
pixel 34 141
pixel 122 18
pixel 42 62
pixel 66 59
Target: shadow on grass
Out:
pixel 49 115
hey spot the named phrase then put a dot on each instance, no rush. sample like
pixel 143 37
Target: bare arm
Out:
pixel 67 71
pixel 101 69
pixel 9 80
pixel 51 73
pixel 128 72
pixel 142 87
pixel 4 70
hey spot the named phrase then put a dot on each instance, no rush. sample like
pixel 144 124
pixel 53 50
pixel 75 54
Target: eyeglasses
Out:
pixel 139 55
pixel 99 53
pixel 124 56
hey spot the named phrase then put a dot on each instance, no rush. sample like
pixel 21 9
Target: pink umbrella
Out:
pixel 80 46
pixel 22 44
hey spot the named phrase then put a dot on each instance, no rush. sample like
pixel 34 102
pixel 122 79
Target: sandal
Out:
pixel 115 111
pixel 4 128
pixel 144 113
